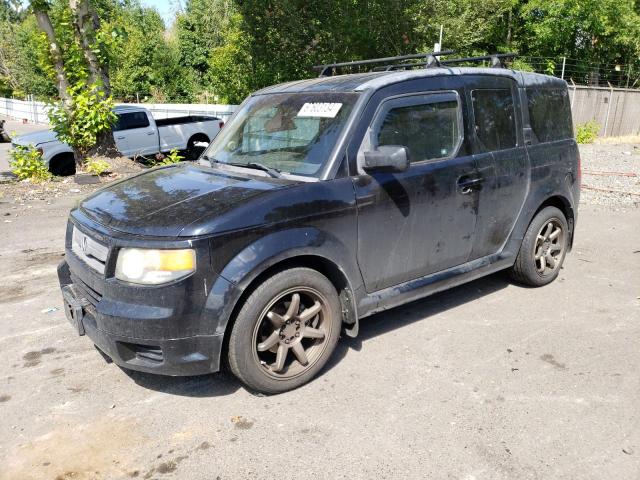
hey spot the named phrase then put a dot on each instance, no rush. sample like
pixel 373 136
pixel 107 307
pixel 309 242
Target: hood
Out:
pixel 163 201
pixel 35 138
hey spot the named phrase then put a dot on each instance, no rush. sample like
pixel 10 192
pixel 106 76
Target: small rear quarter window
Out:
pixel 549 114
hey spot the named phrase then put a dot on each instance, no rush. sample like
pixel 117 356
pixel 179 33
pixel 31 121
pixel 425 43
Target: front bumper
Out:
pixel 153 349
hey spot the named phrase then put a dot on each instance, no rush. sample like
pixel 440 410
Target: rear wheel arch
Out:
pixel 564 205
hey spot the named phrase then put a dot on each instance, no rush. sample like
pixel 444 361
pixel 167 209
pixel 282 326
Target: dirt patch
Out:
pixel 99 449
pixel 242 423
pixel 33 358
pixel 26 191
pixel 16 293
pixel 204 446
pixel 547 357
pixel 5 398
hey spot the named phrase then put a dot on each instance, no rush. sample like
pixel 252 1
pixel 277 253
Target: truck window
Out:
pixel 549 114
pixel 429 130
pixel 131 120
pixel 495 123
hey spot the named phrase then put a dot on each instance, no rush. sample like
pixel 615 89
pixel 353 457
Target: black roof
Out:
pixel 375 80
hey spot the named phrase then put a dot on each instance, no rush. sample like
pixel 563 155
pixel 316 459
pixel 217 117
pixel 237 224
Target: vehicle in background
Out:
pixel 4 136
pixel 136 133
pixel 320 203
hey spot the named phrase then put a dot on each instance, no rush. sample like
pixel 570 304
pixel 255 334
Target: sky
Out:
pixel 167 8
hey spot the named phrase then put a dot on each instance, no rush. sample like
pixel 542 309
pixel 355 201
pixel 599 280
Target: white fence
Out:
pixel 36 112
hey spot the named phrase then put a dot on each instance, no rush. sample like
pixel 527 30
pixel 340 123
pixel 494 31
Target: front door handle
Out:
pixel 119 138
pixel 151 133
pixel 467 185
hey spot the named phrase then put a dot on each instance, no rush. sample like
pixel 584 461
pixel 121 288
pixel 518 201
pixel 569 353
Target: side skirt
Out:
pixel 428 285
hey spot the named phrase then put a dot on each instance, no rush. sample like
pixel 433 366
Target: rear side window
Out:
pixel 429 129
pixel 550 114
pixel 495 121
pixel 128 121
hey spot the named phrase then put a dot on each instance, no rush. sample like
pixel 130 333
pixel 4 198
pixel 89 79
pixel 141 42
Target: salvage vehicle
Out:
pixel 321 202
pixel 136 133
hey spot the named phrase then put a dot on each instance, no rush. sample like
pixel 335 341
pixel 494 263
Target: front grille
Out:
pixel 86 291
pixel 89 250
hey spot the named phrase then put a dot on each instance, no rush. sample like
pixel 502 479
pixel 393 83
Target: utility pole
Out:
pixel 438 46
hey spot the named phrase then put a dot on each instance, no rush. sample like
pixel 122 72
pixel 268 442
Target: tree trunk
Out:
pixel 44 22
pixel 86 23
pixel 105 146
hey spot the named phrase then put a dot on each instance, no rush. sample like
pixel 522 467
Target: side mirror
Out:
pixel 387 158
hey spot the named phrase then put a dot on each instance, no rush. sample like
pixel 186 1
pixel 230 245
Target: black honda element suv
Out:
pixel 319 203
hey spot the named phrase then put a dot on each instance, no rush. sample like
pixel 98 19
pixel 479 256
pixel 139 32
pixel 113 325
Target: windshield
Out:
pixel 290 133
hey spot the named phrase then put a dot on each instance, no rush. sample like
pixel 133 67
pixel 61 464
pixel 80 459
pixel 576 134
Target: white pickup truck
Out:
pixel 136 133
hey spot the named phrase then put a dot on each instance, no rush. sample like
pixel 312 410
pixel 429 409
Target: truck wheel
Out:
pixel 194 151
pixel 63 165
pixel 543 249
pixel 285 331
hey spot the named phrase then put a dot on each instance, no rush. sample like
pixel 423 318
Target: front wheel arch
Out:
pixel 322 265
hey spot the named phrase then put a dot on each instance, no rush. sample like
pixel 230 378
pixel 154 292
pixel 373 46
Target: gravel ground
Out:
pixel 611 175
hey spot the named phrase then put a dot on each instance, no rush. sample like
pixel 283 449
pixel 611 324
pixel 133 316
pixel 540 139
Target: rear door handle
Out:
pixel 119 138
pixel 466 185
pixel 151 133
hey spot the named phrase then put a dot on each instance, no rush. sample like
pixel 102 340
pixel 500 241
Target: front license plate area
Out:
pixel 74 308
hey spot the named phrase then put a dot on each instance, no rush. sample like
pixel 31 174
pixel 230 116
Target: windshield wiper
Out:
pixel 211 160
pixel 273 172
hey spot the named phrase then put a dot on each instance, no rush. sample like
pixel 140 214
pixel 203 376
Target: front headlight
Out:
pixel 152 267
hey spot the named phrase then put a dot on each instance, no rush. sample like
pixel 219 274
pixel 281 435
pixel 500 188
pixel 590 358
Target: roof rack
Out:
pixel 496 59
pixel 430 60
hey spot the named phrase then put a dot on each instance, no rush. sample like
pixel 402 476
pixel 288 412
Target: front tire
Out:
pixel 543 249
pixel 285 331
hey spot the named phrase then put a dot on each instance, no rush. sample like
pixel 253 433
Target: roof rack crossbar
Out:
pixel 431 59
pixel 496 59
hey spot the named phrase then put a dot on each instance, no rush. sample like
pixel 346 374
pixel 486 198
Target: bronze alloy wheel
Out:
pixel 290 336
pixel 549 247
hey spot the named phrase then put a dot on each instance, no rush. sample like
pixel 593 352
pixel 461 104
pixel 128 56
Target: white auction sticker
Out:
pixel 324 110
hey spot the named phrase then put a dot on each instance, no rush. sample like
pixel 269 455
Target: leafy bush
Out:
pixel 90 115
pixel 27 163
pixel 171 158
pixel 96 166
pixel 587 132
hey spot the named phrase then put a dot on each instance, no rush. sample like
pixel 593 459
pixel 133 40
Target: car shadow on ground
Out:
pixel 418 310
pixel 213 385
pixel 223 383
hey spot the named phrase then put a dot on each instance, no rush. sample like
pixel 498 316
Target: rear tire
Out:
pixel 285 331
pixel 543 249
pixel 193 152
